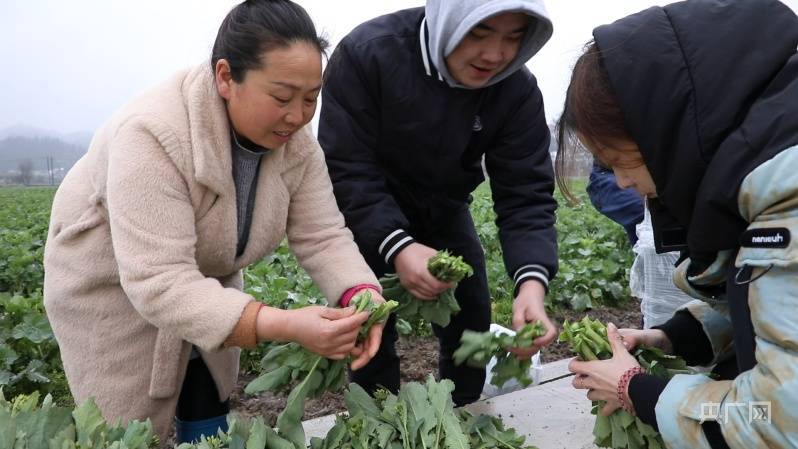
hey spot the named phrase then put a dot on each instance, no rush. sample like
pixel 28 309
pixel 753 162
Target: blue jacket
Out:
pixel 623 206
pixel 404 149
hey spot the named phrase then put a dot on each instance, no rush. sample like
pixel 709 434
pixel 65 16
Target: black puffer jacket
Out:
pixel 404 149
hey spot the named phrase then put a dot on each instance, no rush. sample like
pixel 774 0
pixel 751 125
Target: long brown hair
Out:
pixel 590 114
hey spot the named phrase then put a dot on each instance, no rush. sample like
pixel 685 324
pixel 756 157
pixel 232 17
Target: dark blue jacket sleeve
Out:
pixel 348 127
pixel 623 206
pixel 521 179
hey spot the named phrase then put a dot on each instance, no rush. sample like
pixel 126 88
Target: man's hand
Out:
pixel 411 266
pixel 528 307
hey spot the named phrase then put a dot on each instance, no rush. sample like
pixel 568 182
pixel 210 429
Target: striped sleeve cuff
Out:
pixel 531 272
pixel 393 243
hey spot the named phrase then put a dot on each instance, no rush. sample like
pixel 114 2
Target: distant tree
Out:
pixel 25 172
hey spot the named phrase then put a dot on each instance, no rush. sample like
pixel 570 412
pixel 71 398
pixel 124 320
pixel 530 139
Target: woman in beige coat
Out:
pixel 191 182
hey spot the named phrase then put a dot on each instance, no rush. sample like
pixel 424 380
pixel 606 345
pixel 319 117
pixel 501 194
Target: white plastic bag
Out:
pixel 651 278
pixel 535 371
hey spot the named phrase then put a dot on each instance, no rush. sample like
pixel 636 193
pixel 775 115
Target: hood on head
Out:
pixel 686 76
pixel 449 21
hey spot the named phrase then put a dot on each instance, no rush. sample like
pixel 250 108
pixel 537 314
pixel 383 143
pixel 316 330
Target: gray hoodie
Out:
pixel 449 21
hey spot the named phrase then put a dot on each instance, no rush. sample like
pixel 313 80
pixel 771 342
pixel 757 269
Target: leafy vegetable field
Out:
pixel 29 358
pixel 594 261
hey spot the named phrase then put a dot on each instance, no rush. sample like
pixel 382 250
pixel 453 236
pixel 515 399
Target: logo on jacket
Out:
pixel 477 126
pixel 765 238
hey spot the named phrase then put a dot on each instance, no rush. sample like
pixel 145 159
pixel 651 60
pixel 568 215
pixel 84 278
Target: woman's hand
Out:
pixel 326 331
pixel 600 378
pixel 367 349
pixel 633 338
pixel 411 266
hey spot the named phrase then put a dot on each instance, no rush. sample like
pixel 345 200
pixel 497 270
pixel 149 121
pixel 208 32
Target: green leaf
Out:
pixel 138 435
pixel 89 423
pixel 602 428
pixel 335 436
pixel 421 416
pixel 289 421
pixel 7 358
pixel 384 433
pixel 581 302
pixel 403 327
pixel 619 438
pixel 270 439
pixel 624 418
pixel 42 425
pixel 33 372
pixel 359 402
pixel 25 403
pixel 270 381
pixel 440 397
pixel 34 327
pixel 8 429
pixel 455 438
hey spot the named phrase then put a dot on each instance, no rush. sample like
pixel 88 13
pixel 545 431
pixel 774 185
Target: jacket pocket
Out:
pixel 708 286
pixel 165 365
pixel 768 242
pixel 209 201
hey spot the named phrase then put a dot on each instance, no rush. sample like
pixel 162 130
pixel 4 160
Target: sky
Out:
pixel 70 65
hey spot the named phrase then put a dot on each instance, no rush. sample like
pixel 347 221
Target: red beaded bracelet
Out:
pixel 623 382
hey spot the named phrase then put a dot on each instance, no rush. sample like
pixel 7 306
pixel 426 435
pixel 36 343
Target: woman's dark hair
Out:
pixel 591 112
pixel 257 26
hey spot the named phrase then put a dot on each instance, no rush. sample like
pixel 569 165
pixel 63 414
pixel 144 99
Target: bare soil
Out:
pixel 419 358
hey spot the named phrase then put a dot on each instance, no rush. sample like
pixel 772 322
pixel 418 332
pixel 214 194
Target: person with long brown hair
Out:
pixel 695 106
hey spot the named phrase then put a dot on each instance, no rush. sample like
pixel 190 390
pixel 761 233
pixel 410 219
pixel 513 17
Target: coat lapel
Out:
pixel 213 168
pixel 212 157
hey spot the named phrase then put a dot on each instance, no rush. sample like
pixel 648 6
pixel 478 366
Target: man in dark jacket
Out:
pixel 412 102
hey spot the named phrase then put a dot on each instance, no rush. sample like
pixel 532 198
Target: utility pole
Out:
pixel 51 169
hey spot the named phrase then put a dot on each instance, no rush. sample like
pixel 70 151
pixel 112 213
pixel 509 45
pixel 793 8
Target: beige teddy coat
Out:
pixel 140 258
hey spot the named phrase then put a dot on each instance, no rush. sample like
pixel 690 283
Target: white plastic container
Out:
pixel 535 371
